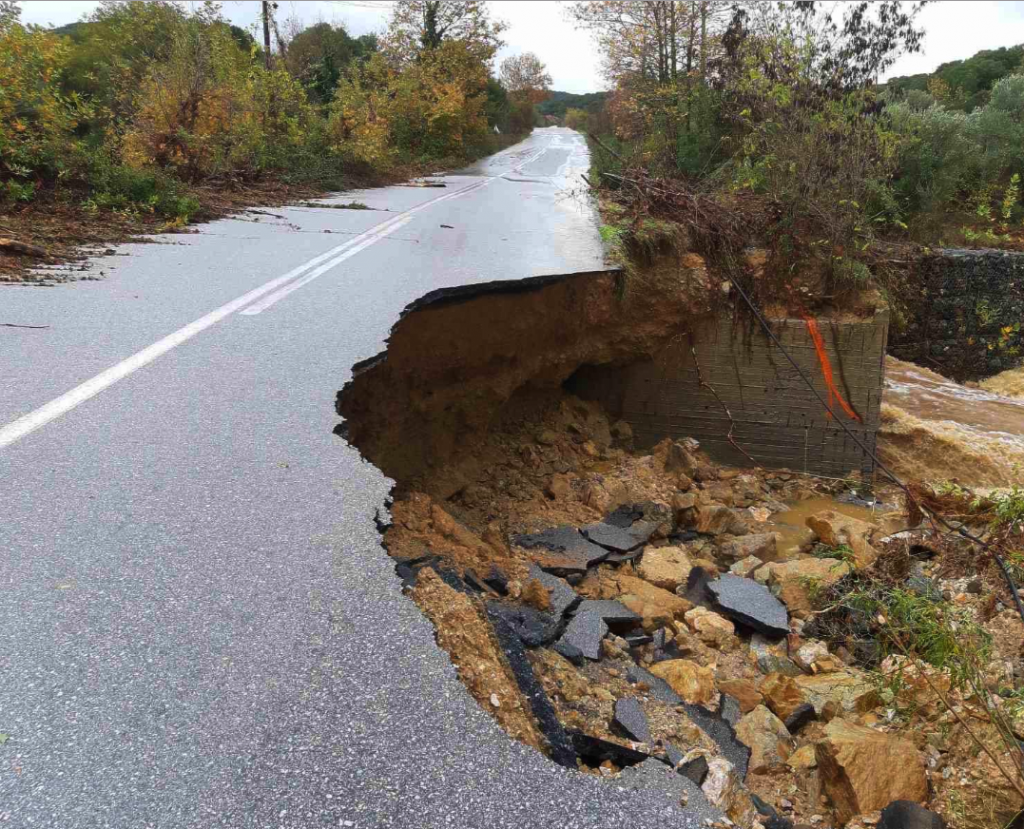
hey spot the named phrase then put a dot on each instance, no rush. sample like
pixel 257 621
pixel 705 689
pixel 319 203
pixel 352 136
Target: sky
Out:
pixel 954 29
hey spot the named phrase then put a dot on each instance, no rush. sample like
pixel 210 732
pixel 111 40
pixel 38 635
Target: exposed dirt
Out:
pixel 487 447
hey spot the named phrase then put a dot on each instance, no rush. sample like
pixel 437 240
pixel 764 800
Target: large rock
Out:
pixel 716 519
pixel 863 770
pixel 656 607
pixel 665 567
pixel 903 814
pixel 749 603
pixel 760 545
pixel 767 737
pixel 782 695
pixel 849 691
pixel 692 682
pixel 834 528
pixel 710 628
pixel 744 691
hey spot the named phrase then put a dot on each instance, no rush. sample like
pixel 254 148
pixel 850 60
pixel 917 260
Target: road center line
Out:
pixel 38 418
pixel 281 293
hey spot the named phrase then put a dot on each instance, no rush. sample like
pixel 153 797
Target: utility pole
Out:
pixel 266 33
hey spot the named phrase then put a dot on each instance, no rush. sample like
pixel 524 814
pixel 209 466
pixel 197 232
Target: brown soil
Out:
pixel 464 633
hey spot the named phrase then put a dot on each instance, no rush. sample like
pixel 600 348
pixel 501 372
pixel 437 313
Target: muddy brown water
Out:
pixel 930 396
pixel 792 530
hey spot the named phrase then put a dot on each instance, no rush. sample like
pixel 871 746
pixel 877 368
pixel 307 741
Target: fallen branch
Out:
pixel 22 248
pixel 604 146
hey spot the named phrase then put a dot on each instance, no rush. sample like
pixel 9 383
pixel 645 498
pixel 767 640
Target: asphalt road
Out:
pixel 198 626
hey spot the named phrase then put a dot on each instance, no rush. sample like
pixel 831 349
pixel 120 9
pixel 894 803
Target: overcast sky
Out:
pixel 955 29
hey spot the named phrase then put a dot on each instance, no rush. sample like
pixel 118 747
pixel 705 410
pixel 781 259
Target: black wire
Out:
pixel 871 454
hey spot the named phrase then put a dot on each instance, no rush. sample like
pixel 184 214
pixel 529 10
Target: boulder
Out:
pixel 760 545
pixel 692 682
pixel 834 528
pixel 749 603
pixel 665 567
pixel 744 691
pixel 717 519
pixel 710 628
pixel 678 459
pixel 559 487
pixel 745 567
pixel 681 502
pixel 795 580
pixel 803 758
pixel 905 814
pixel 781 695
pixel 846 690
pixel 767 737
pixel 656 607
pixel 863 770
pixel 814 656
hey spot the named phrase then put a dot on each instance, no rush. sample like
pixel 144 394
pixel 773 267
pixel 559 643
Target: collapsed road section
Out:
pixel 609 593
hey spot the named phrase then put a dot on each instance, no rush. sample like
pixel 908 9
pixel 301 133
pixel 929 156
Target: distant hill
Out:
pixel 971 80
pixel 559 102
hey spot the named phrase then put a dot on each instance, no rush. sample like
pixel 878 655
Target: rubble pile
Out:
pixel 634 615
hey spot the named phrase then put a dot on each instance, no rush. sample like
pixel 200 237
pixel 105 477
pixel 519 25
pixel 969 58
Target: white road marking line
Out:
pixel 267 301
pixel 28 423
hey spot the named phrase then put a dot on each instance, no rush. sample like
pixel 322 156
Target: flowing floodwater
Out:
pixel 936 429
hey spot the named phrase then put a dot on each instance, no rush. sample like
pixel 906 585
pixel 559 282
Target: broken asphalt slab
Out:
pixel 751 604
pixel 630 717
pixel 563 598
pixel 584 633
pixel 654 777
pixel 562 751
pixel 719 730
pixel 618 539
pixel 615 614
pixel 569 552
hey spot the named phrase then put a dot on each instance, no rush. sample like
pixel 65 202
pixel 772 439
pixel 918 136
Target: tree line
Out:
pixel 142 99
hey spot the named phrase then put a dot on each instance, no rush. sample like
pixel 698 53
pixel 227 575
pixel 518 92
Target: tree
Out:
pixel 525 78
pixel 319 55
pixel 657 41
pixel 423 25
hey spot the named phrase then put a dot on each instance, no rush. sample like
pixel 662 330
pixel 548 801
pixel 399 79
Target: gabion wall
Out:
pixel 968 320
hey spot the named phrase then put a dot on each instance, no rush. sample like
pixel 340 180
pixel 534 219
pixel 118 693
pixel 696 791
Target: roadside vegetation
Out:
pixel 156 113
pixel 775 112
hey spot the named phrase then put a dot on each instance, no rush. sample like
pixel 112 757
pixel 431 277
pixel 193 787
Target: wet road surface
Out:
pixel 199 626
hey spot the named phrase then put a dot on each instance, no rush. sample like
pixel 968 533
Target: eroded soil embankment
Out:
pixel 617 609
pixel 461 363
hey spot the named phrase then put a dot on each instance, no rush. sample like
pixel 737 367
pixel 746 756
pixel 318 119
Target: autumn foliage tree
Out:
pixel 528 83
pixel 422 25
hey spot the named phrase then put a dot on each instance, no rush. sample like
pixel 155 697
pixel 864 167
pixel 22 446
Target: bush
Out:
pixel 37 122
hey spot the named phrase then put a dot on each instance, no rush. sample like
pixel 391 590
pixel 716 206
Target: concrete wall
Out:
pixel 963 302
pixel 777 420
